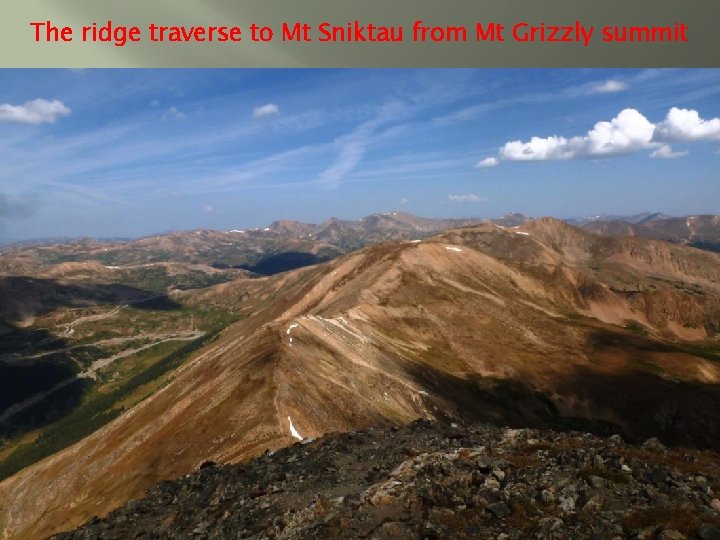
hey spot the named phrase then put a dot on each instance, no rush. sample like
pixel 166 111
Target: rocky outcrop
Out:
pixel 431 480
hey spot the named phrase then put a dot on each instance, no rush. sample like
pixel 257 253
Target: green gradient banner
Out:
pixel 288 33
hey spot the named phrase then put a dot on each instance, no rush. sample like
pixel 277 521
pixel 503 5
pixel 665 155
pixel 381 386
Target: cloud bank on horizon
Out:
pixel 630 131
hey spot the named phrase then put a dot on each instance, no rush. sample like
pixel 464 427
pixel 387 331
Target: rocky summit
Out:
pixel 436 480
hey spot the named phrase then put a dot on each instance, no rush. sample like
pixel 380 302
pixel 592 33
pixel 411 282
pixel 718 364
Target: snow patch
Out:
pixel 423 392
pixel 415 241
pixel 293 325
pixel 266 229
pixel 523 233
pixel 112 267
pixel 340 324
pixel 293 431
pixel 453 248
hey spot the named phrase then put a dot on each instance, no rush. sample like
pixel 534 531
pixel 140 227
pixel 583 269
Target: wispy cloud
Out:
pixel 352 147
pixel 468 198
pixel 173 113
pixel 37 111
pixel 608 87
pixel 351 152
pixel 665 152
pixel 263 111
pixel 487 163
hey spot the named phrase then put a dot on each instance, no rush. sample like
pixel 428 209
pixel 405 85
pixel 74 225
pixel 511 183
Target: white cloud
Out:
pixel 487 162
pixel 208 208
pixel 37 111
pixel 404 201
pixel 174 114
pixel 628 132
pixel 608 87
pixel 263 111
pixel 665 152
pixel 537 149
pixel 686 125
pixel 470 197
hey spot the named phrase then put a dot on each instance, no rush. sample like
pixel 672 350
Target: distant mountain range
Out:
pixel 281 246
pixel 699 231
pixel 333 237
pixel 636 219
pixel 702 232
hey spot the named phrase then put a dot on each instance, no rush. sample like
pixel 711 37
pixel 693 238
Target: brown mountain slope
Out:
pixel 520 326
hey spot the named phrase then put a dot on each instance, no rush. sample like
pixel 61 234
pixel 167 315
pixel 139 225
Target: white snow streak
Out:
pixel 523 233
pixel 293 325
pixel 293 431
pixel 453 248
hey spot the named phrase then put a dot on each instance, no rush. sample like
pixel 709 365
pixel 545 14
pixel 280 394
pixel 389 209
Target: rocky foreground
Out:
pixel 429 480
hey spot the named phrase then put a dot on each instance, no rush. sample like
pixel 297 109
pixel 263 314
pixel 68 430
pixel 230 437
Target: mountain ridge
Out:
pixel 543 324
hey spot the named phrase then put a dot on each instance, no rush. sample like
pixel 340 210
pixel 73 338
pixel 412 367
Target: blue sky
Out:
pixel 134 152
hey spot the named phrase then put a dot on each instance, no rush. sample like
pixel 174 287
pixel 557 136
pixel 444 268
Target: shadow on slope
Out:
pixel 282 262
pixel 23 297
pixel 157 303
pixel 501 402
pixel 677 412
pixel 636 404
pixel 88 415
pixel 646 399
pixel 15 340
pixel 707 246
pixel 21 379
